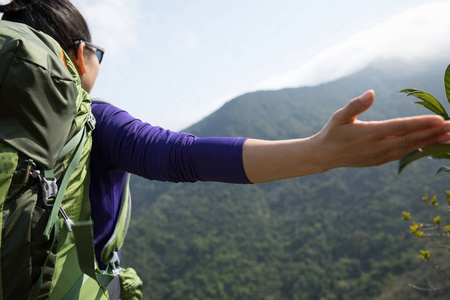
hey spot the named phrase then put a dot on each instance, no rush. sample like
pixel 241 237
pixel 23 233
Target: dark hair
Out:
pixel 57 18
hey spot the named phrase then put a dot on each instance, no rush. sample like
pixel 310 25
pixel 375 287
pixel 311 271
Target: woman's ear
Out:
pixel 78 60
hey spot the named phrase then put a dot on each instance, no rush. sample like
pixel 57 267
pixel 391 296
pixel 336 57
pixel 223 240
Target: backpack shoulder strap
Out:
pixel 116 240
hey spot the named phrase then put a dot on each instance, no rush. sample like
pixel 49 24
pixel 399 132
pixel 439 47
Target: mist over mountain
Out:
pixel 286 111
pixel 337 235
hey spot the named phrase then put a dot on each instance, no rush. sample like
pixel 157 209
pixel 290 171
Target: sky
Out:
pixel 172 63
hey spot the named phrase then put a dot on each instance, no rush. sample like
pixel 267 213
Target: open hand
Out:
pixel 353 143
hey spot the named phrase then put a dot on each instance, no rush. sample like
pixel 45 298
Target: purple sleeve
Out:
pixel 152 152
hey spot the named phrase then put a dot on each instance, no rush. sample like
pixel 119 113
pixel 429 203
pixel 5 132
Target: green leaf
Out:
pixel 441 156
pixel 443 169
pixel 447 83
pixel 410 91
pixel 433 109
pixel 428 101
pixel 429 151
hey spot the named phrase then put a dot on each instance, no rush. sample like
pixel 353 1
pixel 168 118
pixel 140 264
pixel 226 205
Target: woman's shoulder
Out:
pixel 103 110
pixel 99 105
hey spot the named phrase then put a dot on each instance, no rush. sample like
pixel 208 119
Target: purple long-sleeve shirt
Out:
pixel 124 144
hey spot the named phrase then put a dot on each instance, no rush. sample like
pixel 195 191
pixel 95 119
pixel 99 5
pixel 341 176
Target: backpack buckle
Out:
pixel 91 121
pixel 114 264
pixel 49 188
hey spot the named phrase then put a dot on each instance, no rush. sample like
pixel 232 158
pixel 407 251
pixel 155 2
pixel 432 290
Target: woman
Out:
pixel 124 144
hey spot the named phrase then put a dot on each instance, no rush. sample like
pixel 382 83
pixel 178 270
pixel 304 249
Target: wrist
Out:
pixel 316 154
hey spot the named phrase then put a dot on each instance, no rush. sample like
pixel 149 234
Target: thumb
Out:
pixel 355 107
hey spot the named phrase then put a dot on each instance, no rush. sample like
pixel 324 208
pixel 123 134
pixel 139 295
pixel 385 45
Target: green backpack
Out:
pixel 45 141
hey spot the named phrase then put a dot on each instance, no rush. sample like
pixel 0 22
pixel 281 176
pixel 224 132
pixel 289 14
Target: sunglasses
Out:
pixel 99 51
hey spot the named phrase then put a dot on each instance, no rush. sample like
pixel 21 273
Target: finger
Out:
pixel 419 139
pixel 355 107
pixel 401 152
pixel 444 138
pixel 391 153
pixel 405 126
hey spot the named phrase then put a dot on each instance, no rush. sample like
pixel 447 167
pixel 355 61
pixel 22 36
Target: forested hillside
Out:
pixel 337 235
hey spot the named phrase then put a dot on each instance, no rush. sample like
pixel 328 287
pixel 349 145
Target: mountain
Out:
pixel 337 235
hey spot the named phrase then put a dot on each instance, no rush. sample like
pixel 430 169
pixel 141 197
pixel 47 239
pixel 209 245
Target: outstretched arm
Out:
pixel 343 142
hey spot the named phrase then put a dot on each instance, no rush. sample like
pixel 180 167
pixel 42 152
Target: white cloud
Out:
pixel 418 33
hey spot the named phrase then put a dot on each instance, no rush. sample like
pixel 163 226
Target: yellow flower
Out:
pixel 419 234
pixel 433 200
pixel 414 227
pixel 425 198
pixel 406 216
pixel 447 228
pixel 424 255
pixel 437 220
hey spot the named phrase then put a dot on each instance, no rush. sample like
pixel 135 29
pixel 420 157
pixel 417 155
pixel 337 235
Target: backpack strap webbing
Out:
pixel 57 194
pixel 84 244
pixel 115 242
pixel 73 163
